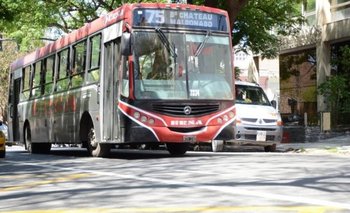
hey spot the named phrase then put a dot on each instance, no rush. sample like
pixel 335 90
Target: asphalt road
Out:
pixel 67 180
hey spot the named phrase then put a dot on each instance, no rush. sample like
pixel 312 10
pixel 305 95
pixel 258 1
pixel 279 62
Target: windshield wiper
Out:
pixel 201 46
pixel 166 42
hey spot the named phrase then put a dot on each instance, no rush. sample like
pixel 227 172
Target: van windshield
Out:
pixel 251 95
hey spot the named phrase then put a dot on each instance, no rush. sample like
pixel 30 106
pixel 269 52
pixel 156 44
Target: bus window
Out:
pixel 95 59
pixel 36 89
pixel 63 67
pixel 77 75
pixel 26 83
pixel 50 66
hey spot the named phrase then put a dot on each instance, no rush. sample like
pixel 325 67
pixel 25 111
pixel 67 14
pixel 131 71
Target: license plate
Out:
pixel 261 136
pixel 190 139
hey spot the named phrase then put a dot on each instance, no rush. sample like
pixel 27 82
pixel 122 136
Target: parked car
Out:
pixel 257 120
pixel 2 145
pixel 4 129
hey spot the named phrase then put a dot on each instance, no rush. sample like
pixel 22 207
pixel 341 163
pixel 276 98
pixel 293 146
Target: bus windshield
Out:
pixel 182 66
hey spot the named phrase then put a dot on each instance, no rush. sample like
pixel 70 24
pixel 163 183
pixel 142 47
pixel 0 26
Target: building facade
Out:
pixel 306 61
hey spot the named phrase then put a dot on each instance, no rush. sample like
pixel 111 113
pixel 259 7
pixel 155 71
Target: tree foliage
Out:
pixel 256 24
pixel 6 57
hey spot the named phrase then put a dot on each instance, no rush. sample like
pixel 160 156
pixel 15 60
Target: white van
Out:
pixel 257 120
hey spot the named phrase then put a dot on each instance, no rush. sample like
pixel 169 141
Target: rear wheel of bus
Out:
pixel 95 148
pixel 177 148
pixel 35 148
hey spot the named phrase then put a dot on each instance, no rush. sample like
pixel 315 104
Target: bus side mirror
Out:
pixel 126 44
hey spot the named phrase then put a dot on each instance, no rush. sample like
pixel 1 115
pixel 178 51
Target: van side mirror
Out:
pixel 126 44
pixel 274 104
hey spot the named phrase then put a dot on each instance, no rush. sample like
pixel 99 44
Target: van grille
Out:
pixel 178 109
pixel 259 129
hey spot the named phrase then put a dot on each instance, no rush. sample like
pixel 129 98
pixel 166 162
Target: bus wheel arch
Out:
pixel 85 125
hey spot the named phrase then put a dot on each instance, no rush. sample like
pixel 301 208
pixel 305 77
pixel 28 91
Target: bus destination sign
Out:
pixel 179 19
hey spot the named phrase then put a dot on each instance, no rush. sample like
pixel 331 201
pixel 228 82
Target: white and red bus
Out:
pixel 146 73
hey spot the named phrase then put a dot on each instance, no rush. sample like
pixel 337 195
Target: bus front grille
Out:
pixel 179 109
pixel 186 130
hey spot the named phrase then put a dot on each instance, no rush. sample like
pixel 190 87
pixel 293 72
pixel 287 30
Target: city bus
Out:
pixel 143 74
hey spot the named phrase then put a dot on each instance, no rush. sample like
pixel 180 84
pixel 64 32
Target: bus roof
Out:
pixel 121 13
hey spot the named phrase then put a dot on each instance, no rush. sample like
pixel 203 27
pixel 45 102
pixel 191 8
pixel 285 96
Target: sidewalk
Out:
pixel 340 144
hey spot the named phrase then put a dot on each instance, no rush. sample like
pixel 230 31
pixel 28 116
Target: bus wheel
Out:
pixel 97 149
pixel 217 145
pixel 177 148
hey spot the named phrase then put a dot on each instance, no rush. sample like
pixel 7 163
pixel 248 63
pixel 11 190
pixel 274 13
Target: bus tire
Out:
pixel 177 148
pixel 217 145
pixel 95 148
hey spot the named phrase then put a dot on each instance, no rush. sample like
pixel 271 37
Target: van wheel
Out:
pixel 95 148
pixel 270 148
pixel 177 148
pixel 217 145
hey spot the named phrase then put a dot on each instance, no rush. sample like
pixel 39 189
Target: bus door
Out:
pixel 15 85
pixel 110 91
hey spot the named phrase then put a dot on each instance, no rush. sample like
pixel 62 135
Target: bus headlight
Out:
pixel 219 120
pixel 231 114
pixel 137 115
pixel 225 118
pixel 151 121
pixel 143 119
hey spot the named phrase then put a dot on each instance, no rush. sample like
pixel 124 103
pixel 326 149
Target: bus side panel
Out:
pixel 68 111
pixel 38 118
